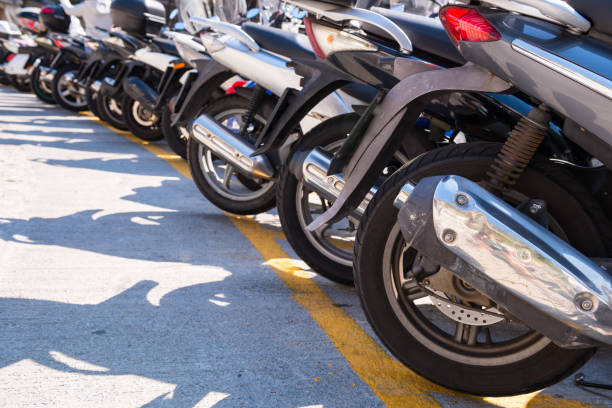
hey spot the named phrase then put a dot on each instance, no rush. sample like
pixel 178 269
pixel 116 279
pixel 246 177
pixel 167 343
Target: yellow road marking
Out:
pixel 391 381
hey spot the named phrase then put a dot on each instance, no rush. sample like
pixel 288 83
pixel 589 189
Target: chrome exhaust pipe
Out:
pixel 230 147
pixel 312 170
pixel 520 265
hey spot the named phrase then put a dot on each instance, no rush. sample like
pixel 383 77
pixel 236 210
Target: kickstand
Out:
pixel 580 381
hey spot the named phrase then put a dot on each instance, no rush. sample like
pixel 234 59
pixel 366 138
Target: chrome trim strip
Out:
pixel 511 250
pixel 583 76
pixel 229 29
pixel 556 11
pixel 337 13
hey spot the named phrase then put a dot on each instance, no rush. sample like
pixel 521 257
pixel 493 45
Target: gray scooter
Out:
pixel 485 267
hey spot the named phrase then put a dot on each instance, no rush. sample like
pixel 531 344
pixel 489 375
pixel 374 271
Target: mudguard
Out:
pixel 321 80
pixel 210 77
pixel 398 111
pixel 125 70
pixel 67 54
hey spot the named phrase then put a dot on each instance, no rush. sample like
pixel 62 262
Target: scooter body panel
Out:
pixel 156 60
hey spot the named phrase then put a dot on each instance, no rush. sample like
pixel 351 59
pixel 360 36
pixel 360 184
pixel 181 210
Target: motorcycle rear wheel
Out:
pixel 40 88
pixel 218 181
pixel 469 358
pixel 92 101
pixel 176 136
pixel 66 92
pixel 110 110
pixel 139 121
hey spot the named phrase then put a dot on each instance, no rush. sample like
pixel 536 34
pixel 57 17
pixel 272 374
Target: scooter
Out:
pixel 219 160
pixel 485 267
pixel 307 187
pixel 22 49
pixel 55 51
pixel 7 31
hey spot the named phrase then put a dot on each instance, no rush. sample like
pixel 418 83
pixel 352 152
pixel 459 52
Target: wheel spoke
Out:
pixel 488 338
pixel 227 175
pixel 320 232
pixel 466 333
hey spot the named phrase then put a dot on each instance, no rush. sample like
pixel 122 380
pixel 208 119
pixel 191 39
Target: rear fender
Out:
pixel 210 77
pixel 293 106
pixel 125 71
pixel 397 112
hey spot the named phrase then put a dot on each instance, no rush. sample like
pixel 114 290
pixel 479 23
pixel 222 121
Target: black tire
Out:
pixel 569 204
pixel 70 102
pixel 109 110
pixel 258 201
pixel 4 79
pixel 329 261
pixel 92 100
pixel 173 135
pixel 22 84
pixel 137 125
pixel 38 88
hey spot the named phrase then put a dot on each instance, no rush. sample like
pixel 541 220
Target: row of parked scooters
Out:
pixel 455 168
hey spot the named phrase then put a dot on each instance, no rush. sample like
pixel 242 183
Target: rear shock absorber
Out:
pixel 256 98
pixel 518 150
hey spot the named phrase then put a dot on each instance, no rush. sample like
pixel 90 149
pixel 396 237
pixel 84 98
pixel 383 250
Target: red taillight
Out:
pixel 10 57
pixel 47 10
pixel 58 43
pixel 466 24
pixel 313 39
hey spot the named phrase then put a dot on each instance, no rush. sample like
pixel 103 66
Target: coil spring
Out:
pixel 518 150
pixel 254 101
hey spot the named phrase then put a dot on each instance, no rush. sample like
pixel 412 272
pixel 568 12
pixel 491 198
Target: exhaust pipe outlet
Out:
pixel 138 90
pixel 311 167
pixel 230 147
pixel 505 255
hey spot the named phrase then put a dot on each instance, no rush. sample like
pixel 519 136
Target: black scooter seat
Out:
pixel 426 34
pixel 165 46
pixel 280 42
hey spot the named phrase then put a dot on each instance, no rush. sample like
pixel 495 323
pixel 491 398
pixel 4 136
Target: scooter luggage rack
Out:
pixel 229 29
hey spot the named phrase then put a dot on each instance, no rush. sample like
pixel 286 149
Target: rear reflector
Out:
pixel 466 24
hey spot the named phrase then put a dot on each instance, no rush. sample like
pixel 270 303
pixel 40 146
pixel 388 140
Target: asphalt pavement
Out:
pixel 121 286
